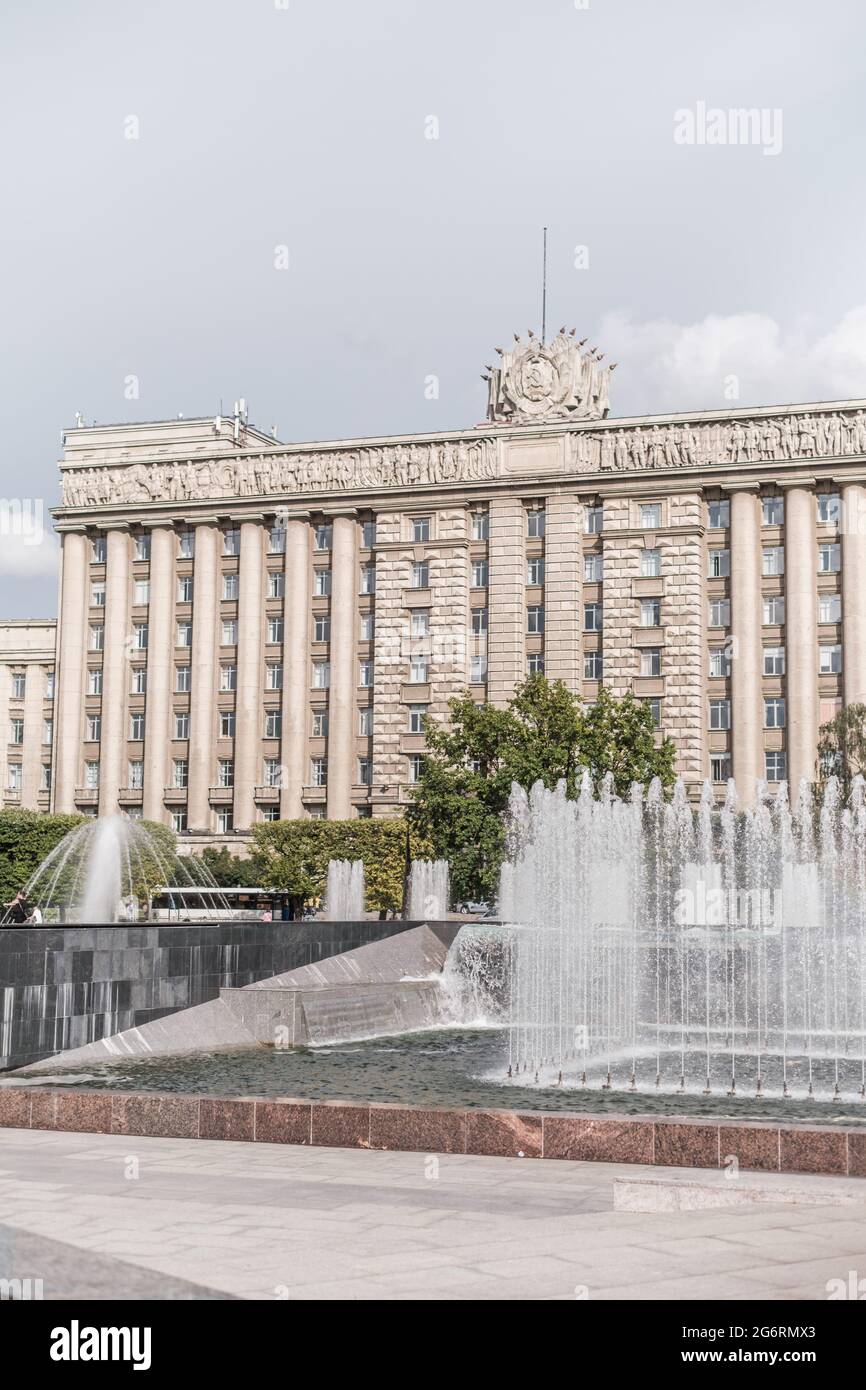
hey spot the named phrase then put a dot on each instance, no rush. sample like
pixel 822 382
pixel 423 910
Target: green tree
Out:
pixel 294 854
pixel 230 871
pixel 544 734
pixel 842 747
pixel 26 837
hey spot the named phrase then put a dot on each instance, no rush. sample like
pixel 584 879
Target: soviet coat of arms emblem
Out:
pixel 536 381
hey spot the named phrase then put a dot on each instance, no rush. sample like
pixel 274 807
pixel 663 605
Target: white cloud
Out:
pixel 731 360
pixel 28 552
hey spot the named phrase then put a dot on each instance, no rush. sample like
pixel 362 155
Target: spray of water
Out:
pixel 429 890
pixel 345 892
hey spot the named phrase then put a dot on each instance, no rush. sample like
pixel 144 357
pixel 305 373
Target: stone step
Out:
pixel 687 1190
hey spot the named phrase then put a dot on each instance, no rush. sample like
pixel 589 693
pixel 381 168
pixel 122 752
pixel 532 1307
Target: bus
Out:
pixel 200 904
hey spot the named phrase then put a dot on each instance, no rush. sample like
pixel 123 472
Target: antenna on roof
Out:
pixel 544 289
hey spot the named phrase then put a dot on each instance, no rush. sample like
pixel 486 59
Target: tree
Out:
pixel 544 734
pixel 229 870
pixel 842 747
pixel 26 837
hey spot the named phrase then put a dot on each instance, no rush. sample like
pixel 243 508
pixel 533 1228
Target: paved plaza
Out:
pixel 106 1216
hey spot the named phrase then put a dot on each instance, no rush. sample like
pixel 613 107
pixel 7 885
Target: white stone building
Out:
pixel 27 711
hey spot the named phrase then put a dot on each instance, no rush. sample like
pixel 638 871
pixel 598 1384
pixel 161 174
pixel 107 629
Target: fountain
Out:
pixel 345 893
pixel 697 949
pixel 100 871
pixel 429 890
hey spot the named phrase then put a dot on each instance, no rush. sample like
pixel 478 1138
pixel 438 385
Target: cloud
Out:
pixel 28 547
pixel 733 360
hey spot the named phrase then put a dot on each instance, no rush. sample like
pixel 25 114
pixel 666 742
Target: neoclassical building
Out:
pixel 253 630
pixel 27 711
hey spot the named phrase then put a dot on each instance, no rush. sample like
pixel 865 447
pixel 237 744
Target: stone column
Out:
pixel 563 591
pixel 160 664
pixel 344 676
pixel 31 775
pixel 296 668
pixel 70 670
pixel 801 630
pixel 202 705
pixel 854 593
pixel 506 639
pixel 747 661
pixel 248 703
pixel 115 669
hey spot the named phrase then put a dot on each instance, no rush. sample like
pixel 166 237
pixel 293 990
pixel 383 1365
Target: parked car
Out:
pixel 477 909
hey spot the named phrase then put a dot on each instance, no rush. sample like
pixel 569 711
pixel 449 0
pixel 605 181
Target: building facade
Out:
pixel 250 630
pixel 27 711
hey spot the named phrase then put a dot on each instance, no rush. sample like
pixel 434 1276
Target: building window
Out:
pixel 593 521
pixel 593 666
pixel 417 715
pixel 479 621
pixel 418 670
pixel 420 575
pixel 718 515
pixel 774 713
pixel 720 564
pixel 226 772
pixel 365 723
pixel 535 523
pixel 19 685
pixel 654 706
pixel 97 638
pixel 273 723
pixel 320 723
pixel 773 560
pixel 228 678
pixel 830 659
pixel 775 765
pixel 229 636
pixel 276 584
pixel 179 773
pixel 774 661
pixel 319 771
pixel 368 535
pixel 227 723
pixel 49 686
pixel 720 767
pixel 416 767
pixel 181 679
pixel 651 661
pixel 232 542
pixel 593 569
pixel 16 730
pixel 829 559
pixel 321 628
pixel 273 772
pixel 773 509
pixel 368 579
pixel 178 820
pixel 478 669
pixel 268 813
pixel 47 730
pixel 275 630
pixel 139 636
pixel 480 574
pixel 321 675
pixel 45 778
pixel 774 610
pixel 184 589
pixel 181 724
pixel 322 583
pixel 720 714
pixel 98 550
pixel 535 664
pixel 481 526
pixel 14 776
pixel 97 594
pixel 720 612
pixel 421 528
pixel 231 587
pixel 365 772
pixel 535 570
pixel 183 637
pixel 277 540
pixel 650 612
pixel 368 627
pixel 94 680
pixel 829 608
pixel 323 536
pixel 135 776
pixel 186 545
pixel 650 515
pixel 136 727
pixel 142 547
pixel 650 564
pixel 535 619
pixel 720 661
pixel 273 676
pixel 94 728
pixel 829 508
pixel 225 820
pixel 91 776
pixel 141 596
pixel 593 617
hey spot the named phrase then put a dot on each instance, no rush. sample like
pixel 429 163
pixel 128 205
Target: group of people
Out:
pixel 22 912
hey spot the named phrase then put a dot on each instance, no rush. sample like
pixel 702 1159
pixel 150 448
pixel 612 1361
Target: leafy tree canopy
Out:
pixel 294 854
pixel 842 747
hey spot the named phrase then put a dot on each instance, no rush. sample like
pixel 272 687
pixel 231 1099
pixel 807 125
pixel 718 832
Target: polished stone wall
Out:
pixel 62 987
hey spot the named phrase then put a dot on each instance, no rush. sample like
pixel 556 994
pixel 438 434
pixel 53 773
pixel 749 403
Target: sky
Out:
pixel 321 204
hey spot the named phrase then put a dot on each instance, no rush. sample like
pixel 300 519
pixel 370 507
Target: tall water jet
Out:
pixel 345 891
pixel 660 944
pixel 429 890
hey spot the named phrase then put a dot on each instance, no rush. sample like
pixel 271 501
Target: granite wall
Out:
pixel 62 987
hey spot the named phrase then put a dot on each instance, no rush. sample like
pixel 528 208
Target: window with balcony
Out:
pixel 15 777
pixel 135 775
pixel 419 622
